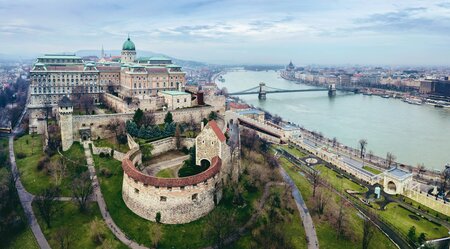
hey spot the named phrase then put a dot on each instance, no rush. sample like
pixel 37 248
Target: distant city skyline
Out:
pixel 233 32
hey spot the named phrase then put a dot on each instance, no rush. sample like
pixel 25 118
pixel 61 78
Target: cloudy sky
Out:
pixel 387 32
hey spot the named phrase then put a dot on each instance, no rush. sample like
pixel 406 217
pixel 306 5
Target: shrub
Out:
pixel 21 155
pixel 42 162
pixel 112 153
pixel 102 155
pixel 158 217
pixel 105 172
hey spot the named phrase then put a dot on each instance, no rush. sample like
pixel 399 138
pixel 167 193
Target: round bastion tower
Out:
pixel 65 110
pixel 128 54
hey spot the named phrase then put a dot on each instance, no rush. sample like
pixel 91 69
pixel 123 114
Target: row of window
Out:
pixel 157 84
pixel 63 90
pixel 164 198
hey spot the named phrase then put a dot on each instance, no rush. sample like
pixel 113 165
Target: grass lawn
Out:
pixel 175 236
pixel 25 239
pixel 372 170
pixel 34 180
pixel 337 181
pixel 325 232
pixel 424 208
pixel 168 173
pixel 403 222
pixel 111 143
pixel 77 223
pixel 292 228
pixel 292 150
pixel 20 238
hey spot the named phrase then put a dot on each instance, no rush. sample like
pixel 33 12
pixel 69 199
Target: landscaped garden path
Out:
pixel 101 202
pixel 308 224
pixel 26 198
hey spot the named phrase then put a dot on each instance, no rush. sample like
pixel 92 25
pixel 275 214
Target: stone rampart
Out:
pixel 428 201
pixel 106 150
pixel 118 104
pixel 168 144
pixel 98 122
pixel 178 200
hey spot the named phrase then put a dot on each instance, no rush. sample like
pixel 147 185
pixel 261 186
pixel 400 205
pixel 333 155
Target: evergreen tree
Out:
pixel 138 115
pixel 169 118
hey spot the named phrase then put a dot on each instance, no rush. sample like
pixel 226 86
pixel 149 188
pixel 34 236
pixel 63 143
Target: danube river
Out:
pixel 415 134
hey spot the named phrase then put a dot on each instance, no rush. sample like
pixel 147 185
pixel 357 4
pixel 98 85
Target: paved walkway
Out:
pixel 308 224
pixel 26 199
pixel 102 205
pixel 155 168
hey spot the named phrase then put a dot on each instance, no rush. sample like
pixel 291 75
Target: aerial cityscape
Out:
pixel 224 124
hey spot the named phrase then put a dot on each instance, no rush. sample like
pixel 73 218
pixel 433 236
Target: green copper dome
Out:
pixel 128 45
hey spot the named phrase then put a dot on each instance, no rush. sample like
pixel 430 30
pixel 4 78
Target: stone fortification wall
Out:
pixel 118 104
pixel 429 201
pixel 217 101
pixel 178 200
pixel 167 144
pixel 98 123
pixel 106 150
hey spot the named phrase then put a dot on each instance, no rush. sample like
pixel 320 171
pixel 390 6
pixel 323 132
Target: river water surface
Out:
pixel 415 134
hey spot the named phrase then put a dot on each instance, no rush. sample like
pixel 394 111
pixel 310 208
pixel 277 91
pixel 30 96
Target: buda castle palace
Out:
pixel 139 81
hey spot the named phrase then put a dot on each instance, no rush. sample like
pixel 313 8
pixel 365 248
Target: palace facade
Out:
pixel 133 79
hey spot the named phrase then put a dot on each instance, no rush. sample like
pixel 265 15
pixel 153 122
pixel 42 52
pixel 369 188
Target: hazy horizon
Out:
pixel 231 32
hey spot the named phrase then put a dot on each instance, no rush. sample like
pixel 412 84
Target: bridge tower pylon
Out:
pixel 331 90
pixel 262 91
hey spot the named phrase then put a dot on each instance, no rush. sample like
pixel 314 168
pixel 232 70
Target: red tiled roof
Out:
pixel 217 130
pixel 132 172
pixel 235 105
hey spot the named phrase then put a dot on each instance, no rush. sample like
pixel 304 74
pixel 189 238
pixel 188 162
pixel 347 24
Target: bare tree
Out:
pixel 334 141
pixel 220 225
pixel 368 231
pixel 63 237
pixel 149 118
pixel 390 158
pixel 362 146
pixel 117 127
pixel 58 170
pixel 156 234
pixel 177 136
pixel 224 91
pixel 82 189
pixel 87 103
pixel 191 123
pixel 97 231
pixel 420 169
pixel 340 221
pixel 370 155
pixel 315 180
pixel 48 204
pixel 321 201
